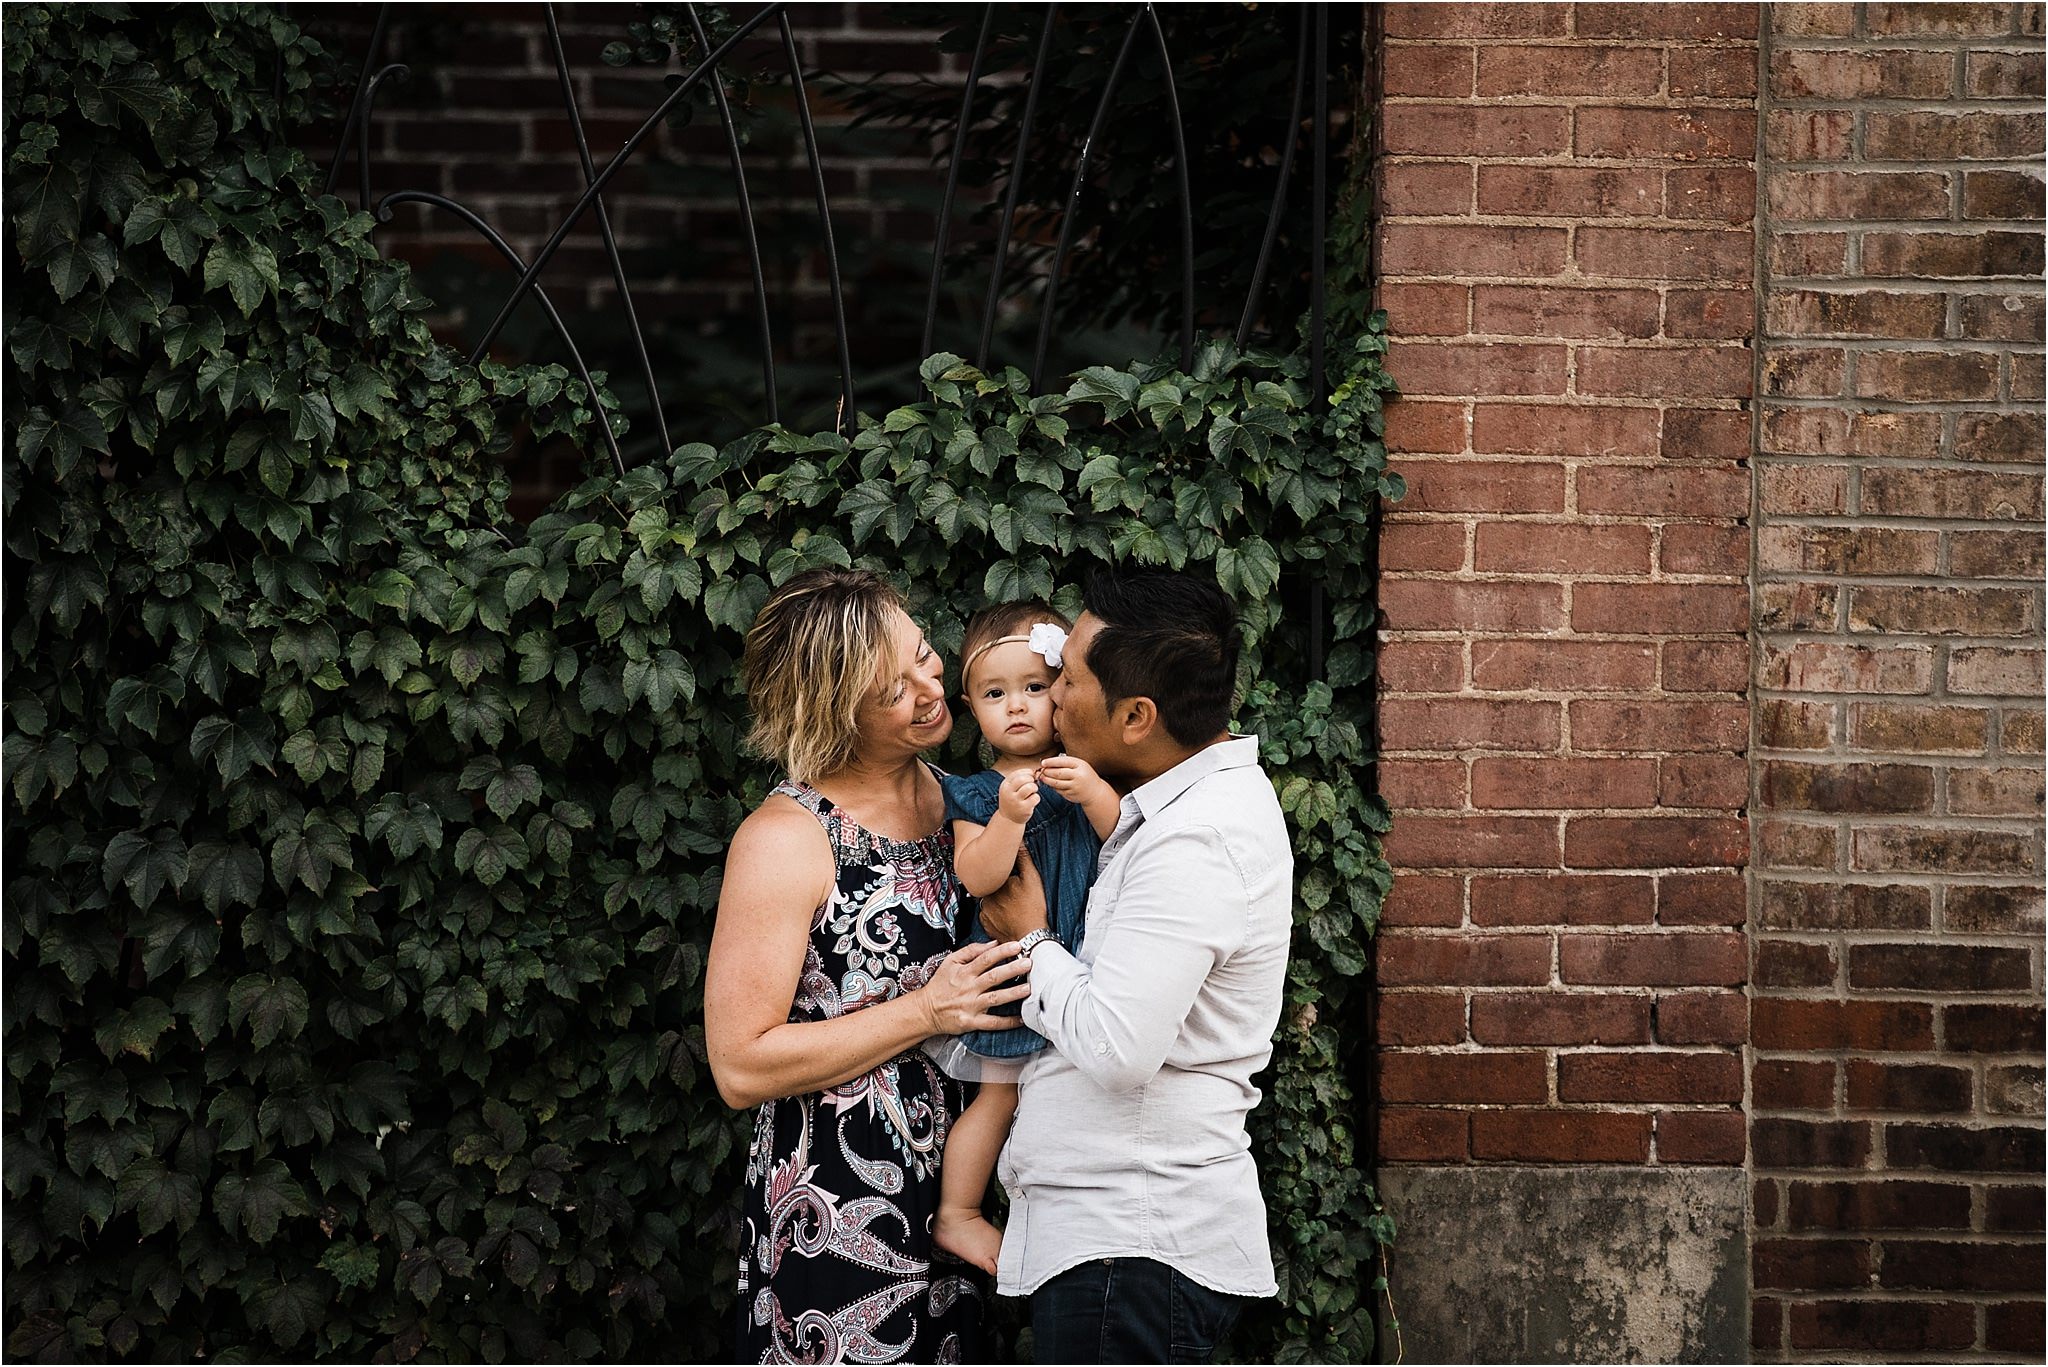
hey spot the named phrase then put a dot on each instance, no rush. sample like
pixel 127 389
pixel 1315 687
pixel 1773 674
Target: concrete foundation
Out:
pixel 1569 1264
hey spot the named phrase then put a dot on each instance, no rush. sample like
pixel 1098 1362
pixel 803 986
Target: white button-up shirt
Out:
pixel 1130 1137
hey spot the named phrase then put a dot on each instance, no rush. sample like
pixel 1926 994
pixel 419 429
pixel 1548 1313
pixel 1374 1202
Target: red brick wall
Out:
pixel 1567 254
pixel 1896 1084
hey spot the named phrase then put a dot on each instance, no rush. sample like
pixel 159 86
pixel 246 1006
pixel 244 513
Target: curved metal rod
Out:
pixel 604 226
pixel 931 306
pixel 397 71
pixel 355 104
pixel 739 176
pixel 1059 255
pixel 803 118
pixel 1251 300
pixel 490 234
pixel 611 168
pixel 995 279
pixel 1187 198
pixel 1318 211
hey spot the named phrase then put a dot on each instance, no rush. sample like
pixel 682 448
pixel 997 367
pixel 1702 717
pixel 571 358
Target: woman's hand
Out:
pixel 1017 799
pixel 970 983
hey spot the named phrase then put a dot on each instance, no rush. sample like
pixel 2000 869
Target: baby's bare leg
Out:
pixel 970 1160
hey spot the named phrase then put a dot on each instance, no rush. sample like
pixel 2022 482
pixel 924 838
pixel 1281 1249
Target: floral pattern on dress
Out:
pixel 842 1184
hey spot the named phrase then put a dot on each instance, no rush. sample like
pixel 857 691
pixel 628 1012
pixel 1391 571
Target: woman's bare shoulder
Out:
pixel 776 837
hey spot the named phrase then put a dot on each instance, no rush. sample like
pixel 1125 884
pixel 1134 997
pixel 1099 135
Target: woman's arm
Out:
pixel 984 856
pixel 1077 781
pixel 777 872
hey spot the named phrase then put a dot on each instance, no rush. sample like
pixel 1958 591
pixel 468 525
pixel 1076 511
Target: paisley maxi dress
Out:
pixel 837 1262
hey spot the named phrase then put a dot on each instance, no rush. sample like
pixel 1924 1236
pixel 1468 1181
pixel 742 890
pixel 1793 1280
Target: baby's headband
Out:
pixel 1047 638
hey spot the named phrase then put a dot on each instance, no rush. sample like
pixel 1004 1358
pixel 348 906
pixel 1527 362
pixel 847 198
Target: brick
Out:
pixel 1789 724
pixel 1810 1264
pixel 1796 845
pixel 1415 784
pixel 1663 608
pixel 1494 1077
pixel 1805 549
pixel 1426 188
pixel 1465 960
pixel 2002 75
pixel 1648 842
pixel 1936 20
pixel 1713 194
pixel 1919 1088
pixel 1664 253
pixel 1407 1018
pixel 1706 433
pixel 1805 372
pixel 1429 70
pixel 1979 909
pixel 1562 900
pixel 1408 547
pixel 1553 784
pixel 1573 429
pixel 1702 1018
pixel 1427 310
pixel 1715 781
pixel 1792 1084
pixel 1706 666
pixel 2015 1327
pixel 1832 74
pixel 1855 789
pixel 1658 726
pixel 1891 1327
pixel 1410 666
pixel 1843 906
pixel 1928 135
pixel 1653 490
pixel 1577 192
pixel 1822 667
pixel 1938 611
pixel 1996 196
pixel 1764 1202
pixel 1557 1018
pixel 1712 73
pixel 1865 1026
pixel 1782 1143
pixel 1809 489
pixel 1549 311
pixel 2000 437
pixel 1913 849
pixel 1815 21
pixel 1414 427
pixel 1989 1028
pixel 1459 605
pixel 1791 963
pixel 2026 375
pixel 1678 959
pixel 1854 313
pixel 1978 495
pixel 1475 130
pixel 1701 899
pixel 1703 548
pixel 1968 256
pixel 1718 1137
pixel 1489 842
pixel 1575 666
pixel 2015 1090
pixel 1905 729
pixel 1665 372
pixel 1858 196
pixel 1833 432
pixel 1995 671
pixel 1800 135
pixel 1714 315
pixel 1790 255
pixel 1634 1076
pixel 2013 1209
pixel 1473 21
pixel 1998 318
pixel 1691 23
pixel 1579 69
pixel 1927 376
pixel 1767 1314
pixel 2021 733
pixel 1954 1148
pixel 1418 1134
pixel 1551 548
pixel 1889 1204
pixel 1530 1136
pixel 1441 249
pixel 1421 901
pixel 1477 368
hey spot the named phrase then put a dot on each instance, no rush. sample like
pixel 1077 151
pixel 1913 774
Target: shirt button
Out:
pixel 1102 1046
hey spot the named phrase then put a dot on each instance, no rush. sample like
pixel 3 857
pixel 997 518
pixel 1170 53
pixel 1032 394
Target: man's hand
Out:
pixel 1016 908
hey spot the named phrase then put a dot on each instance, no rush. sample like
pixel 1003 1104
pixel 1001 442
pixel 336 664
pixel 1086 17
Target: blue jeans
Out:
pixel 1128 1310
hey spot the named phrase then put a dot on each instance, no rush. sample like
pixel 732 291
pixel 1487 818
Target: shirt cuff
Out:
pixel 1054 974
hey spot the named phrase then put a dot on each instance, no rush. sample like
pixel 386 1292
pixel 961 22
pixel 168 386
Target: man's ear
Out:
pixel 1138 719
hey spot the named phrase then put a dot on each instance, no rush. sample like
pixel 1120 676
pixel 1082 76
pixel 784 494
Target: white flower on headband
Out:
pixel 1048 640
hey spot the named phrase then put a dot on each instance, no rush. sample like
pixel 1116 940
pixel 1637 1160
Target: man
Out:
pixel 1136 1224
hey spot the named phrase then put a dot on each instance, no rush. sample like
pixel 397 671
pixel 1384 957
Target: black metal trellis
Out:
pixel 1312 54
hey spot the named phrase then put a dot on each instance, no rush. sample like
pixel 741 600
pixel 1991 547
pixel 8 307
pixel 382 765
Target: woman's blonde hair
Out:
pixel 819 647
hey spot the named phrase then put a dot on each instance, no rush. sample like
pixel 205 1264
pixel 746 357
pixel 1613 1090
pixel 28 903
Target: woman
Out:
pixel 833 957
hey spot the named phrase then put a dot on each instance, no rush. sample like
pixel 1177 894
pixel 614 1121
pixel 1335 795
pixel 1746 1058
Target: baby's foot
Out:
pixel 968 1236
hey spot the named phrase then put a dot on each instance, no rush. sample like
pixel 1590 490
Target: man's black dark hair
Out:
pixel 1169 637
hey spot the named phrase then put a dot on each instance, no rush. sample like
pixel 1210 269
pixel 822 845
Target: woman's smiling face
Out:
pixel 1009 686
pixel 908 711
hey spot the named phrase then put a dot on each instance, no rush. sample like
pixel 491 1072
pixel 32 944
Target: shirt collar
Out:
pixel 1156 795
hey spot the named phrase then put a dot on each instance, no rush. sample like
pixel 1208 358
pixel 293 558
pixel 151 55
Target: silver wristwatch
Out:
pixel 1033 940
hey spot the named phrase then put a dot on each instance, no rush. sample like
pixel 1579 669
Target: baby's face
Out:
pixel 1010 690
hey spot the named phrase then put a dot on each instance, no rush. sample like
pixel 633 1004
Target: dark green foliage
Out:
pixel 362 849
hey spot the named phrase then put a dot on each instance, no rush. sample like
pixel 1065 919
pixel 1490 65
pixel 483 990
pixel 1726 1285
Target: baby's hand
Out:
pixel 1017 799
pixel 1071 778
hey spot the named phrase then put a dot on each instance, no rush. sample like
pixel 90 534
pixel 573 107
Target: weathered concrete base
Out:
pixel 1569 1264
